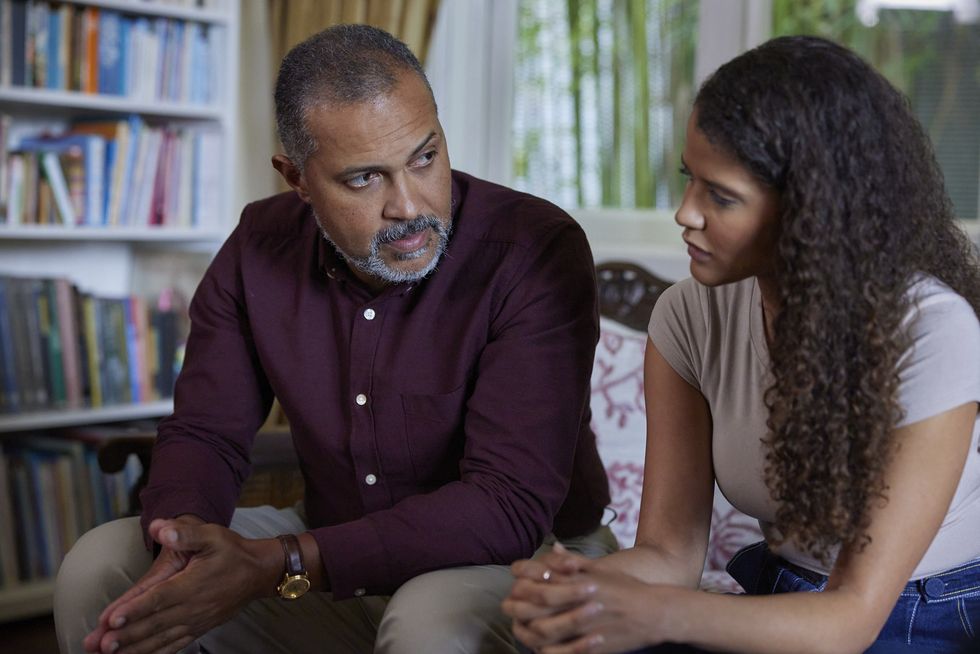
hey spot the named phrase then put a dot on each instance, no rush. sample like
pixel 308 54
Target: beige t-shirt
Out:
pixel 714 339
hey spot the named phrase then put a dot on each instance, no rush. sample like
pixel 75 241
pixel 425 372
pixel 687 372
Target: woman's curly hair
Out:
pixel 863 212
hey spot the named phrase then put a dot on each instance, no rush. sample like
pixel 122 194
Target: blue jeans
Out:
pixel 938 614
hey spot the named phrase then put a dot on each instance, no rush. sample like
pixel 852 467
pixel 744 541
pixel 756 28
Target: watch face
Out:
pixel 293 587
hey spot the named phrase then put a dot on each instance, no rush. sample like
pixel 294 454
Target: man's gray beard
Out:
pixel 374 265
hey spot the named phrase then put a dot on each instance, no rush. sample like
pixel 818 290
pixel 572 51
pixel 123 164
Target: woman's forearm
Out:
pixel 832 622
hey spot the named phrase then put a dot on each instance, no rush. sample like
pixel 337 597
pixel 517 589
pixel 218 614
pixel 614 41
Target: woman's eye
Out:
pixel 720 199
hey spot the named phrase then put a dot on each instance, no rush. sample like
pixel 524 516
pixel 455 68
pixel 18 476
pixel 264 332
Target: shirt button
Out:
pixel 359 592
pixel 361 399
pixel 369 314
pixel 370 480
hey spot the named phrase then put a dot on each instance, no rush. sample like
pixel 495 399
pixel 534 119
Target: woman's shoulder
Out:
pixel 935 306
pixel 939 369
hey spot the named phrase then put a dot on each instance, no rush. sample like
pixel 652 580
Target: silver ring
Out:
pixel 546 575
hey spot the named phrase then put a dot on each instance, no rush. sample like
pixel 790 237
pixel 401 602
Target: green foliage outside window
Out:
pixel 933 59
pixel 603 89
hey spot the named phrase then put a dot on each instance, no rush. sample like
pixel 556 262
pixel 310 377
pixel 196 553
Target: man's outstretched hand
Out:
pixel 203 576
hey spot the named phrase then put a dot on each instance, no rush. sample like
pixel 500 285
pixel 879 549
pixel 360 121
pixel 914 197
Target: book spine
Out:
pixel 59 187
pixel 68 332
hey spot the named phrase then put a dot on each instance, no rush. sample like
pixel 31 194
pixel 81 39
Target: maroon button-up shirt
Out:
pixel 439 423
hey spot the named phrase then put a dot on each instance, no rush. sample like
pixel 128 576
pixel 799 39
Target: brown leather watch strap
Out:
pixel 294 554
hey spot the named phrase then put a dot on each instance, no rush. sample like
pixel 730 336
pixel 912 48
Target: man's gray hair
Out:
pixel 342 65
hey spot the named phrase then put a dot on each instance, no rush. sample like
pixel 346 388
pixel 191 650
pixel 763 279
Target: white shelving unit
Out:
pixel 107 260
pixel 50 419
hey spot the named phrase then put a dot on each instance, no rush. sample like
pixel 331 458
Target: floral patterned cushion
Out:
pixel 619 422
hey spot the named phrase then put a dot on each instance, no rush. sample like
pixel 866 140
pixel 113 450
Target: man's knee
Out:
pixel 102 565
pixel 453 610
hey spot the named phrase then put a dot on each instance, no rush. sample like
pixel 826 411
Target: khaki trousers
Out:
pixel 451 610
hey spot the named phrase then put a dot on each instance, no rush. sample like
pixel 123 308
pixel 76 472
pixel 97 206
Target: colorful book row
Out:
pixel 117 173
pixel 69 47
pixel 64 349
pixel 51 492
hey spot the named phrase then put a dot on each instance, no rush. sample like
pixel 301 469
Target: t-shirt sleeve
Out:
pixel 677 327
pixel 941 368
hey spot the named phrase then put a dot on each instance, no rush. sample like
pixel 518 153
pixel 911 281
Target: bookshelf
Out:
pixel 120 257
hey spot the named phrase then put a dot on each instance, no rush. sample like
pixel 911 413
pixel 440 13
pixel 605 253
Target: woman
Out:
pixel 823 366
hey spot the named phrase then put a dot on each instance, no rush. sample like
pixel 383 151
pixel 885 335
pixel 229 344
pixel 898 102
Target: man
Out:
pixel 430 337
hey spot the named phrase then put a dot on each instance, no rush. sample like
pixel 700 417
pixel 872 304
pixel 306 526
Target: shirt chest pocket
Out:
pixel 434 436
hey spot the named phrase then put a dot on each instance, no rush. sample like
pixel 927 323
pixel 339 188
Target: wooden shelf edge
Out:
pixel 26 600
pixel 68 417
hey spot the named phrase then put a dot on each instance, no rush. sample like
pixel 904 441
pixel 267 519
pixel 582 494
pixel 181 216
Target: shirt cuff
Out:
pixel 167 505
pixel 354 559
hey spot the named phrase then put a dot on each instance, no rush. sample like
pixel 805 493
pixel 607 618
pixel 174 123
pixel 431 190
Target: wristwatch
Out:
pixel 295 582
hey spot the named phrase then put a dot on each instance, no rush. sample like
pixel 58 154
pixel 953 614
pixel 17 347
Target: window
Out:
pixel 602 91
pixel 930 49
pixel 602 88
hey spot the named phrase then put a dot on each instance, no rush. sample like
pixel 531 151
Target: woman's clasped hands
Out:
pixel 564 603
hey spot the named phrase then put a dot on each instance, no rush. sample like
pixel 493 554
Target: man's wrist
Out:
pixel 270 566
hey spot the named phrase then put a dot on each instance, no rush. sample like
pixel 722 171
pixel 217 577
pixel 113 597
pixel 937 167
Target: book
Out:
pixel 132 345
pixel 55 177
pixel 68 333
pixel 71 479
pixel 8 543
pixel 53 70
pixel 116 134
pixel 92 153
pixel 90 332
pixel 206 204
pixel 90 67
pixel 111 58
pixel 73 164
pixel 37 48
pixel 29 290
pixel 40 471
pixel 21 317
pixel 29 564
pixel 46 213
pixel 50 336
pixel 18 42
pixel 150 181
pixel 77 58
pixel 116 352
pixel 15 189
pixel 6 37
pixel 9 386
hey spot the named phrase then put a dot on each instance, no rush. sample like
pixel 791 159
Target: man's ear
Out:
pixel 293 176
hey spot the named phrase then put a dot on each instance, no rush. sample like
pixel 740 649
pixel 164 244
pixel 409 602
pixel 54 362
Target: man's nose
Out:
pixel 401 202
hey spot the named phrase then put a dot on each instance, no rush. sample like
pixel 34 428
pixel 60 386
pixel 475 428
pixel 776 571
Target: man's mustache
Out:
pixel 405 229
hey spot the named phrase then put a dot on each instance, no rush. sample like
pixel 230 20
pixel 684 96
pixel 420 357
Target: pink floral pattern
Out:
pixel 619 421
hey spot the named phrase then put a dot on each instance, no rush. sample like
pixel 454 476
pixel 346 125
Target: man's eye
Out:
pixel 424 159
pixel 361 180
